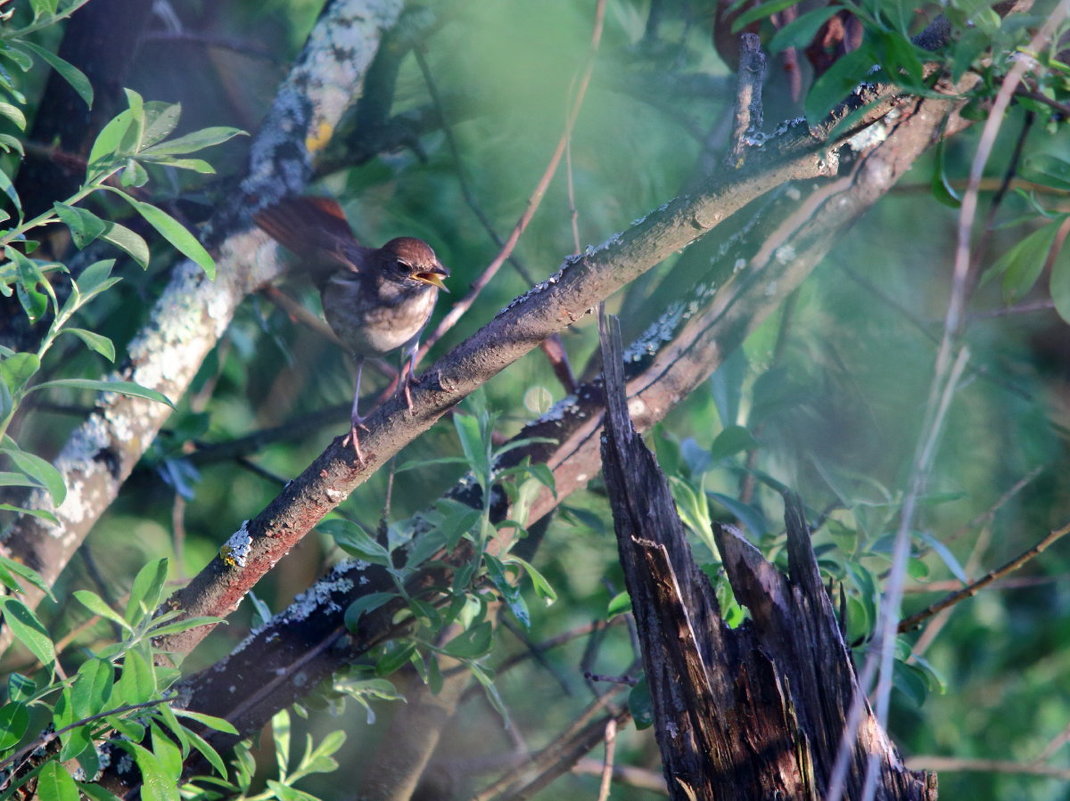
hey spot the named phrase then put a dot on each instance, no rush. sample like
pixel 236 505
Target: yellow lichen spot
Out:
pixel 318 137
pixel 226 553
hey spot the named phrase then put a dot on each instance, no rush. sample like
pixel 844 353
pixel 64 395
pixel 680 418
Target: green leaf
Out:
pixel 539 583
pixel 96 792
pixel 731 441
pixel 354 541
pixel 899 58
pixel 21 60
pixel 84 225
pixel 160 120
pixel 29 277
pixel 13 113
pixel 174 232
pixel 837 83
pixel 801 31
pixel 1060 282
pixel 27 574
pixel 14 720
pixel 641 705
pixel 107 146
pixel 487 680
pixel 21 688
pixel 619 604
pixel 137 683
pixel 126 240
pixel 206 750
pixel 134 139
pixel 70 73
pixel 458 520
pixel 96 278
pixel 471 643
pixel 95 604
pixel 749 516
pixel 469 432
pixel 122 387
pixel 394 657
pixel 165 750
pixel 211 721
pixel 92 687
pixel 55 784
pixel 760 12
pixel 364 605
pixel 9 189
pixel 510 592
pixel 185 624
pixel 942 190
pixel 40 514
pixel 133 174
pixel 40 471
pixel 1049 169
pixel 195 165
pixel 28 630
pixel 158 783
pixel 146 591
pixel 96 342
pixel 192 142
pixel 9 143
pixel 1022 265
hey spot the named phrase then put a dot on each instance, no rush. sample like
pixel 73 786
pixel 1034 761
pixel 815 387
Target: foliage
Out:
pixel 825 397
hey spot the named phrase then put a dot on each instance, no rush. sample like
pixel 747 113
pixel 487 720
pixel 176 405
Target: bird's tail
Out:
pixel 315 229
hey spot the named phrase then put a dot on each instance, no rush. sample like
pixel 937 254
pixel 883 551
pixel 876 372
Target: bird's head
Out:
pixel 406 259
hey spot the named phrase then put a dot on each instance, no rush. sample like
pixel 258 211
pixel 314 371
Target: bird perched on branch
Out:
pixel 375 299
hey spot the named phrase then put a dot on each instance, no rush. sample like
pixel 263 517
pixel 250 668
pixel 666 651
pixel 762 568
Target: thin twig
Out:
pixel 607 765
pixel 989 513
pixel 907 624
pixel 478 285
pixel 954 764
pixel 462 173
pixel 946 373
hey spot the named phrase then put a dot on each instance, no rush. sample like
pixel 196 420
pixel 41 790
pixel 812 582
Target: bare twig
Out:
pixel 954 764
pixel 478 285
pixel 946 373
pixel 607 765
pixel 970 590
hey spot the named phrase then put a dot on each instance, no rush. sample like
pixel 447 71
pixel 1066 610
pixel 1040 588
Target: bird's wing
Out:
pixel 316 229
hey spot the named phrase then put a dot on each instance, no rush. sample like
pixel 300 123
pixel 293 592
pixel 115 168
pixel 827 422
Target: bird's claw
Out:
pixel 353 438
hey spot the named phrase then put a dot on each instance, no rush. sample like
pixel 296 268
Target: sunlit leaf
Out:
pixel 70 73
pixel 174 232
pixel 121 387
pixel 28 629
pixel 96 342
pixel 192 142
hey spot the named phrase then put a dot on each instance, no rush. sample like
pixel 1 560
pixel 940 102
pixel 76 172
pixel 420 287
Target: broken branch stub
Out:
pixel 745 713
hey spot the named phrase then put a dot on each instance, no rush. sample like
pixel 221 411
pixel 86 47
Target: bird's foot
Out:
pixel 354 438
pixel 405 390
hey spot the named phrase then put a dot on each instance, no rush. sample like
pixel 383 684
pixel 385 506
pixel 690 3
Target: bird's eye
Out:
pixel 404 266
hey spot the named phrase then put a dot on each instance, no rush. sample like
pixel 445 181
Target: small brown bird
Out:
pixel 375 299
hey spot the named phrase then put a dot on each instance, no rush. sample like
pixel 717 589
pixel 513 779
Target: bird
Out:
pixel 376 300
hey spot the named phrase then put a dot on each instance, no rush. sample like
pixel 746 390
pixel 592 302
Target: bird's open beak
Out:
pixel 434 277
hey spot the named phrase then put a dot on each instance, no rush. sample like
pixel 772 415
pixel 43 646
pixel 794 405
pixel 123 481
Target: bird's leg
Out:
pixel 407 376
pixel 355 420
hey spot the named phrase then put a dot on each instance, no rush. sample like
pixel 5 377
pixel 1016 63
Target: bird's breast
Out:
pixel 372 317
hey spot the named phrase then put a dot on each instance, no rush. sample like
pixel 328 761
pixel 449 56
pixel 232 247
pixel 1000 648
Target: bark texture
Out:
pixel 755 712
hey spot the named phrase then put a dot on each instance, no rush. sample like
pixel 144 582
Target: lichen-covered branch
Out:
pixel 192 311
pixel 676 355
